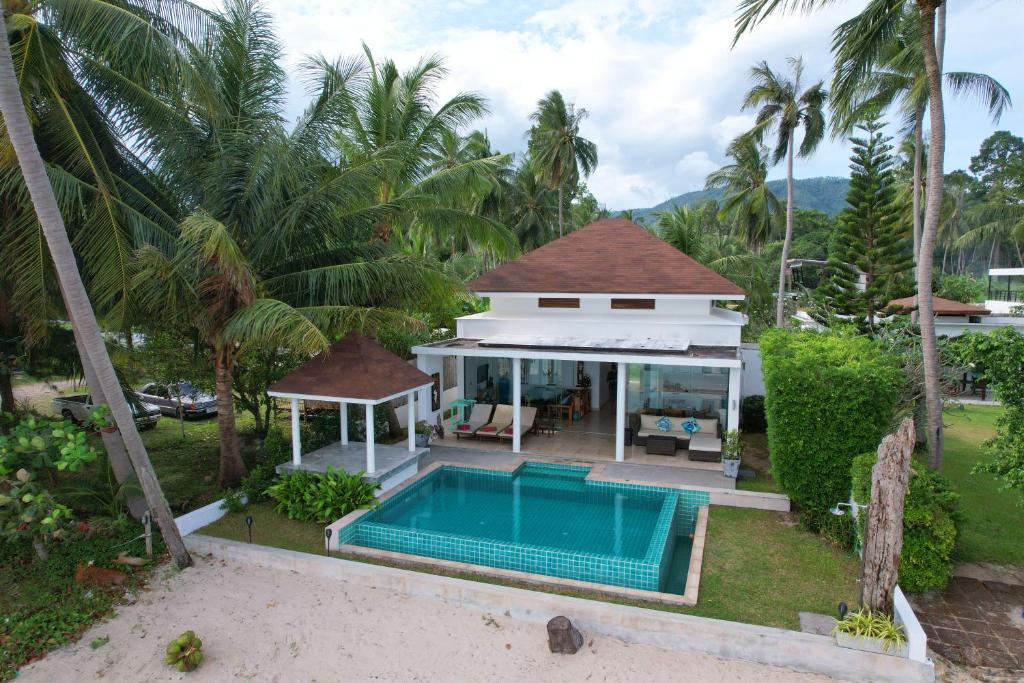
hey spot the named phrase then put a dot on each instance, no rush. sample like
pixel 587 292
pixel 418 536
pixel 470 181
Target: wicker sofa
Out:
pixel 706 443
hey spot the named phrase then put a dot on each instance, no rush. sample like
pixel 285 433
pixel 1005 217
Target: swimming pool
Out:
pixel 540 518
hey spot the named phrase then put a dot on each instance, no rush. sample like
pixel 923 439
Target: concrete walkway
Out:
pixel 677 476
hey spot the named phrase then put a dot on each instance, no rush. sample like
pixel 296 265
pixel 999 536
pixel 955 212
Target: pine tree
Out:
pixel 871 250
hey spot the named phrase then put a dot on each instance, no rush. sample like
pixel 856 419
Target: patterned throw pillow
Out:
pixel 690 426
pixel 664 424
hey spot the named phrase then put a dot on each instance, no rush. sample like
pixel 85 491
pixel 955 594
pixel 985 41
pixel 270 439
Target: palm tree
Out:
pixel 381 115
pixel 77 83
pixel 79 308
pixel 276 248
pixel 751 207
pixel 899 80
pixel 784 109
pixel 561 155
pixel 532 208
pixel 683 228
pixel 858 46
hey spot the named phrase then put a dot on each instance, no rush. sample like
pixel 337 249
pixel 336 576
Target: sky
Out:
pixel 659 78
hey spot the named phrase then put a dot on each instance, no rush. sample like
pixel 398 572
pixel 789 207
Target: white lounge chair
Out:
pixel 502 419
pixel 478 417
pixel 527 414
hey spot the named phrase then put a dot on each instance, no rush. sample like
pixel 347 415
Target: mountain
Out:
pixel 826 194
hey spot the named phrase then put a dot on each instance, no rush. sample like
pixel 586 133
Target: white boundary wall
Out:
pixel 725 639
pixel 200 517
pixel 753 376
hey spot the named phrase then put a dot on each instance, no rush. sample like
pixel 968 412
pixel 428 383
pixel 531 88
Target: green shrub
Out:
pixel 931 519
pixel 867 624
pixel 752 417
pixel 828 397
pixel 321 498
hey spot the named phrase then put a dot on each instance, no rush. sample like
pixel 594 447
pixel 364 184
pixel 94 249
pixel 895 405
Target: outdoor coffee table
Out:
pixel 658 444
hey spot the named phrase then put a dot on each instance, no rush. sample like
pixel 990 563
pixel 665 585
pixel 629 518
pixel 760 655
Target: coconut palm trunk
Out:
pixel 932 209
pixel 916 199
pixel 77 300
pixel 780 305
pixel 232 467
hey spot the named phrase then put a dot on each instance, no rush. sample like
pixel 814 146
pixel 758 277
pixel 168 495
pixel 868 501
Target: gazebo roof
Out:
pixel 355 369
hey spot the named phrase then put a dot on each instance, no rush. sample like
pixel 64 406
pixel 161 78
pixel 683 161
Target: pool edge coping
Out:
pixel 687 599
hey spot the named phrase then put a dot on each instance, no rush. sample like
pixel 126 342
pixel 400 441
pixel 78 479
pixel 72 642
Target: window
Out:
pixel 633 304
pixel 552 302
pixel 450 373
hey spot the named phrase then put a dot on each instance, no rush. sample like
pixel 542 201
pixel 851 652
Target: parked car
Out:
pixel 174 396
pixel 77 409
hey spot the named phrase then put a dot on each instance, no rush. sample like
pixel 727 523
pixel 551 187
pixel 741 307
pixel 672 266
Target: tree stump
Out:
pixel 563 637
pixel 883 532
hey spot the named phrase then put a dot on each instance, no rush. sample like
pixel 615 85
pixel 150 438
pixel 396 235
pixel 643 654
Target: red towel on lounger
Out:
pixel 487 429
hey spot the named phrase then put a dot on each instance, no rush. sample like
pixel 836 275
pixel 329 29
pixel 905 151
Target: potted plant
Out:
pixel 871 632
pixel 732 450
pixel 423 432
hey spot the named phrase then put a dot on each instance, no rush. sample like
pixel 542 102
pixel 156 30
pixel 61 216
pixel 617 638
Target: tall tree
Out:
pixel 532 207
pixel 76 300
pixel 899 80
pixel 683 228
pixel 276 249
pixel 870 242
pixel 857 46
pixel 561 155
pixel 425 169
pixel 784 109
pixel 749 204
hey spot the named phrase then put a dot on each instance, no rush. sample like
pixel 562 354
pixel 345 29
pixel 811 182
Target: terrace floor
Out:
pixel 590 439
pixel 352 458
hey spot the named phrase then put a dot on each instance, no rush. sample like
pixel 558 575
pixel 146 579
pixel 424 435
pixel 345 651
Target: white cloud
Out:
pixel 659 78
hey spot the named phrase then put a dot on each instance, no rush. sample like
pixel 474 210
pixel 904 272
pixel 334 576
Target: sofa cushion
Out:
pixel 664 424
pixel 705 442
pixel 649 422
pixel 709 427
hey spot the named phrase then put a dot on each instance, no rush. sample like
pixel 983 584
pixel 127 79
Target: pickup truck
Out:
pixel 77 409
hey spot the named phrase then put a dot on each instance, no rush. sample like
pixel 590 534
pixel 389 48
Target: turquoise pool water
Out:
pixel 541 518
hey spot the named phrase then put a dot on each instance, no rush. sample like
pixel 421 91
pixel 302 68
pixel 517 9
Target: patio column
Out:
pixel 411 417
pixel 733 407
pixel 620 412
pixel 296 438
pixel 371 455
pixel 517 399
pixel 343 422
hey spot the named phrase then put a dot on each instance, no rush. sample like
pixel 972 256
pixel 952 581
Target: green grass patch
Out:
pixel 992 518
pixel 41 606
pixel 758 567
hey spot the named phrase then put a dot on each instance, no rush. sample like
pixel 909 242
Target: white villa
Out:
pixel 596 336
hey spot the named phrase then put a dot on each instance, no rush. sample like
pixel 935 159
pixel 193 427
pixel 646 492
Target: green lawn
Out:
pixel 759 568
pixel 991 530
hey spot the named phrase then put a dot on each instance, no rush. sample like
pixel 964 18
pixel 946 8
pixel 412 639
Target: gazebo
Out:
pixel 354 370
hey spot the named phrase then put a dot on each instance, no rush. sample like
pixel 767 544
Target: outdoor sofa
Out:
pixel 704 445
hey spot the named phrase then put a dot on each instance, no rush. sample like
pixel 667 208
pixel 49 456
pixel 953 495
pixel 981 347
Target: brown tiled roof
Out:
pixel 355 367
pixel 941 306
pixel 609 256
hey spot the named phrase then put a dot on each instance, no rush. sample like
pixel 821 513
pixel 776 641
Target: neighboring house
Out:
pixel 609 315
pixel 953 318
pixel 1005 290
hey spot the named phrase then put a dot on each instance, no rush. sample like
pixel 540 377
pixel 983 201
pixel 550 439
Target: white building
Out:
pixel 1005 290
pixel 610 316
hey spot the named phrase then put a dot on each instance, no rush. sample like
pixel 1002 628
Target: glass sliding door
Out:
pixel 680 391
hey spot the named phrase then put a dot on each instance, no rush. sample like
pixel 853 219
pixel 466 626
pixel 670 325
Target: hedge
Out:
pixel 931 518
pixel 828 398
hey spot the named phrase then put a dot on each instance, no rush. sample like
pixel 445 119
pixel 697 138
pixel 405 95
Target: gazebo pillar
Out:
pixel 411 420
pixel 343 420
pixel 296 435
pixel 371 455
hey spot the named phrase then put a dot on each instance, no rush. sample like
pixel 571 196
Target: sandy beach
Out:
pixel 266 625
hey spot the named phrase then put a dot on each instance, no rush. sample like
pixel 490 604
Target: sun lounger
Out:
pixel 502 419
pixel 478 417
pixel 527 414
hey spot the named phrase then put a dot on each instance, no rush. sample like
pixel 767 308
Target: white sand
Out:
pixel 265 625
